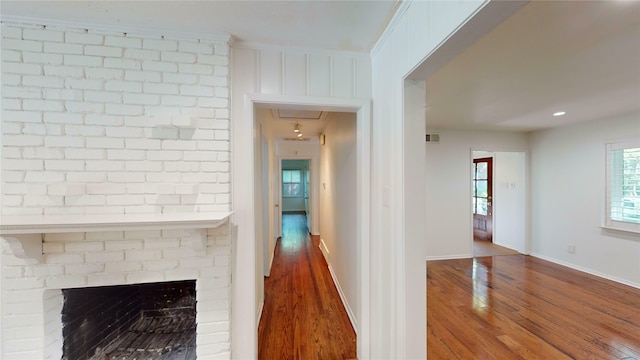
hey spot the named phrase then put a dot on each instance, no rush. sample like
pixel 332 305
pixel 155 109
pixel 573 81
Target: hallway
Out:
pixel 303 316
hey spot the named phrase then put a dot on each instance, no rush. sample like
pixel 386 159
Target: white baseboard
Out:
pixel 259 314
pixel 586 270
pixel 325 251
pixel 272 255
pixel 449 257
pixel 345 303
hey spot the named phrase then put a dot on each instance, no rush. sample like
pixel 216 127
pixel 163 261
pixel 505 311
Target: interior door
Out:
pixel 482 199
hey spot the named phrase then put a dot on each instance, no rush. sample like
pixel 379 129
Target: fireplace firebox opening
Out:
pixel 127 322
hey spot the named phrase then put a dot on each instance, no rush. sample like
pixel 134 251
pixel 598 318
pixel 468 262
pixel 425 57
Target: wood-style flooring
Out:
pixel 487 248
pixel 521 307
pixel 303 316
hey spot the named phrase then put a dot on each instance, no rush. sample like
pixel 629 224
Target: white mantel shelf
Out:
pixel 47 224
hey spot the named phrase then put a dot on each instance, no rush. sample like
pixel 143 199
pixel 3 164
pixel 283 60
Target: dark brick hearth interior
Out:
pixel 144 321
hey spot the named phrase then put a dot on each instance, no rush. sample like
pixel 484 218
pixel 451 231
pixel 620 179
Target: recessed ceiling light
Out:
pixel 299 134
pixel 559 113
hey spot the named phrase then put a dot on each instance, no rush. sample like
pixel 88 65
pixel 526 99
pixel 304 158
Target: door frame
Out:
pixel 489 161
pixel 525 246
pixel 312 216
pixel 247 265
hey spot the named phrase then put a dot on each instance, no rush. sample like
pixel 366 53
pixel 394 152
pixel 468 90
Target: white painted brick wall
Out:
pixel 98 123
pixel 33 301
pixel 109 107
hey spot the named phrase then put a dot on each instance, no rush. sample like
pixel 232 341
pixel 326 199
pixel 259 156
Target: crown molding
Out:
pixel 297 49
pixel 118 29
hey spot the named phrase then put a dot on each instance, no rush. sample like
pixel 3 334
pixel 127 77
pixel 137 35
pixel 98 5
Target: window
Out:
pixel 291 183
pixel 481 182
pixel 623 186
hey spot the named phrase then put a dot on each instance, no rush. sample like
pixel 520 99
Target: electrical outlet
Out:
pixel 571 249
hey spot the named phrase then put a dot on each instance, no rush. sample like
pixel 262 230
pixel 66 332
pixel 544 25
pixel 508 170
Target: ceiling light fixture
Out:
pixel 559 113
pixel 296 128
pixel 299 134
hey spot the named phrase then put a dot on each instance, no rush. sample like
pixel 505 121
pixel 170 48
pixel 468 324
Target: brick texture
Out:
pixel 76 260
pixel 111 123
pixel 113 108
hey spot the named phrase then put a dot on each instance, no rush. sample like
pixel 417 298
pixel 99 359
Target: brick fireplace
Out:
pixel 149 321
pixel 115 161
pixel 33 286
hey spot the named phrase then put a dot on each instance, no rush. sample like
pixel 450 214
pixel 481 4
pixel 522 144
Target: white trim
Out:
pixel 345 303
pixel 259 312
pixel 586 270
pixel 449 257
pixel 608 223
pixel 391 26
pixel 325 250
pixel 620 229
pixel 118 28
pixel 363 231
pixel 484 19
pixel 527 191
pixel 250 45
pixel 244 296
pixel 313 192
pixel 38 224
pixel 272 255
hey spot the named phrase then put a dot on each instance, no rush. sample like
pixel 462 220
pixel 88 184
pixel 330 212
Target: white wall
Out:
pixel 338 206
pixel 567 182
pixel 112 123
pixel 398 251
pixel 267 75
pixel 448 184
pixel 510 200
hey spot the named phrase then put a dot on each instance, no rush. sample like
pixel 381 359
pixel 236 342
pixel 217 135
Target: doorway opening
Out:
pixel 327 247
pixel 295 180
pixel 251 253
pixel 481 194
pixel 498 198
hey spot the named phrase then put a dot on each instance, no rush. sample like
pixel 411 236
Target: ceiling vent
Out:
pixel 433 138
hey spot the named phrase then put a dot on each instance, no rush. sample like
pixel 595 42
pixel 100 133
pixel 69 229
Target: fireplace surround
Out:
pixel 44 260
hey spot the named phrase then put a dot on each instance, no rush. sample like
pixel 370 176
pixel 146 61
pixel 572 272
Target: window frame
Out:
pixel 608 222
pixel 300 183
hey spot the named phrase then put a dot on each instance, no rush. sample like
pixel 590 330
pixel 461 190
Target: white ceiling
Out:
pixel 352 25
pixel 280 123
pixel 582 57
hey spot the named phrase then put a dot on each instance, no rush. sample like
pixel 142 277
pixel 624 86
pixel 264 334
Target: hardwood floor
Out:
pixel 521 307
pixel 487 248
pixel 303 316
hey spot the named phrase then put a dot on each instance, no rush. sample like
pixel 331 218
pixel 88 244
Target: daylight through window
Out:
pixel 291 183
pixel 623 185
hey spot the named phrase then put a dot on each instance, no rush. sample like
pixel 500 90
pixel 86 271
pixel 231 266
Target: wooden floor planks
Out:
pixel 303 316
pixel 521 307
